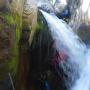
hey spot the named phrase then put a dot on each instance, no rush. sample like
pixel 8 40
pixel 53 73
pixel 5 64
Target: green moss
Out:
pixel 12 20
pixel 39 26
pixel 15 57
pixel 12 65
pixel 9 19
pixel 1 26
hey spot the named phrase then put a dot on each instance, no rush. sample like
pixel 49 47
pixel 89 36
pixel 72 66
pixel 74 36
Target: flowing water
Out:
pixel 73 47
pixel 83 83
pixel 62 33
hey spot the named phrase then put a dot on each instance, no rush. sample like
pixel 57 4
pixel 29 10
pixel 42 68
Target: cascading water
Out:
pixel 74 48
pixel 62 33
pixel 83 83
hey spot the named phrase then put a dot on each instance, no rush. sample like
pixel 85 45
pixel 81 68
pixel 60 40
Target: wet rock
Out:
pixel 6 83
pixel 84 33
pixel 73 5
pixel 46 6
pixel 60 5
pixel 30 17
pixel 64 14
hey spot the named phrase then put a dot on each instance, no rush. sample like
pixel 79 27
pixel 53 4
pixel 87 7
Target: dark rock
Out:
pixel 6 84
pixel 46 6
pixel 84 33
pixel 65 14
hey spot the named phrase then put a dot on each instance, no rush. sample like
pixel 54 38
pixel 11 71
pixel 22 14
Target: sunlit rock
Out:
pixel 30 16
pixel 17 6
pixel 80 14
pixel 60 5
pixel 46 6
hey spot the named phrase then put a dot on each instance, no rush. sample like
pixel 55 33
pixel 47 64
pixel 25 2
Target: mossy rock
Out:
pixel 9 37
pixel 6 45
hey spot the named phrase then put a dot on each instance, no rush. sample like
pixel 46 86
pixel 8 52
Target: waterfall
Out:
pixel 74 48
pixel 62 33
pixel 83 83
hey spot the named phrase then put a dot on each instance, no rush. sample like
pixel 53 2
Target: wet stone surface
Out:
pixel 6 84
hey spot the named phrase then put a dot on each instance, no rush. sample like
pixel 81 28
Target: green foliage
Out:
pixel 9 19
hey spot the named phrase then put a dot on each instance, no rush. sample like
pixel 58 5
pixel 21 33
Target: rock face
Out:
pixel 17 6
pixel 39 55
pixel 46 6
pixel 7 40
pixel 6 84
pixel 84 33
pixel 73 5
pixel 80 13
pixel 30 17
pixel 30 14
